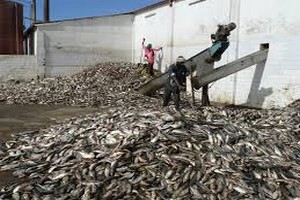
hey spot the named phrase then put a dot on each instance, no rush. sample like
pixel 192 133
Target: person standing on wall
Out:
pixel 220 41
pixel 149 56
pixel 176 82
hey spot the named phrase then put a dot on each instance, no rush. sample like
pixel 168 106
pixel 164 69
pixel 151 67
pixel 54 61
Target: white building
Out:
pixel 184 28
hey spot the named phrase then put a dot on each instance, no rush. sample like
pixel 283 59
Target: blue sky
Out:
pixel 68 9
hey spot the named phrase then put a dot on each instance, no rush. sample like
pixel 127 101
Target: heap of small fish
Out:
pixel 2 147
pixel 295 104
pixel 98 85
pixel 133 150
pixel 142 153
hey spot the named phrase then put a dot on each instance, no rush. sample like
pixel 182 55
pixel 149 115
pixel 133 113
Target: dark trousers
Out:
pixel 150 69
pixel 168 94
pixel 218 54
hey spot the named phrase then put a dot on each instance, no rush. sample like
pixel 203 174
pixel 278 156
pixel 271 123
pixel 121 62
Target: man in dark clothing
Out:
pixel 220 40
pixel 223 32
pixel 176 82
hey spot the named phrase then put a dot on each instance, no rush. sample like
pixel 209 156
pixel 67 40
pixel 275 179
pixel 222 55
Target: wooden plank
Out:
pixel 232 67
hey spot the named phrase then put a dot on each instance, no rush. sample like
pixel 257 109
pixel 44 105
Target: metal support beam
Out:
pixel 46 11
pixel 205 97
pixel 203 69
pixel 33 12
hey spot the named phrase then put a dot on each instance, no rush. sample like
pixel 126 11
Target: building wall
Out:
pixel 275 84
pixel 156 27
pixel 66 47
pixel 185 28
pixel 17 67
pixel 181 29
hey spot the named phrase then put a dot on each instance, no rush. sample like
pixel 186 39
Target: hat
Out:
pixel 231 26
pixel 180 59
pixel 149 45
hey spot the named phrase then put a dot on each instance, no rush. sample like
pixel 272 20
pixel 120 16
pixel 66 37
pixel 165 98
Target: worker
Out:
pixel 176 82
pixel 220 41
pixel 149 53
pixel 223 32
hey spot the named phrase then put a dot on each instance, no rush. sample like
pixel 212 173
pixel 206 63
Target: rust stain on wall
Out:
pixel 11 28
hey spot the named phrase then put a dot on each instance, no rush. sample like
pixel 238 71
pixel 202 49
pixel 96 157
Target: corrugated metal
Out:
pixel 11 27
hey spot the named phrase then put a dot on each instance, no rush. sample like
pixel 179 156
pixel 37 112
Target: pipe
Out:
pixel 237 45
pixel 17 28
pixel 46 11
pixel 172 30
pixel 33 12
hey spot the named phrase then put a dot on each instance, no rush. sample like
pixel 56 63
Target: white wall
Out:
pixel 277 84
pixel 182 29
pixel 66 47
pixel 156 27
pixel 278 23
pixel 17 67
pixel 270 21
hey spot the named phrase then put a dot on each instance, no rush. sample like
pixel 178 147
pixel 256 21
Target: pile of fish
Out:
pixel 295 104
pixel 98 85
pixel 143 153
pixel 132 149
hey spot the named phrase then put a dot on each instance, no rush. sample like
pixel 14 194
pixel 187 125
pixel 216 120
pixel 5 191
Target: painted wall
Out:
pixel 181 29
pixel 17 67
pixel 155 26
pixel 67 47
pixel 270 21
pixel 276 84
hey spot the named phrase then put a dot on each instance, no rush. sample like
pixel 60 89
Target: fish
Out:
pixel 132 149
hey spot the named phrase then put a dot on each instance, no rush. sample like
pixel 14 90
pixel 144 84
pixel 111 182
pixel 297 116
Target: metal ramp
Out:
pixel 205 73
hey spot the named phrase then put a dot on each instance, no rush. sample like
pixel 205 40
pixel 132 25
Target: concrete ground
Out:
pixel 19 118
